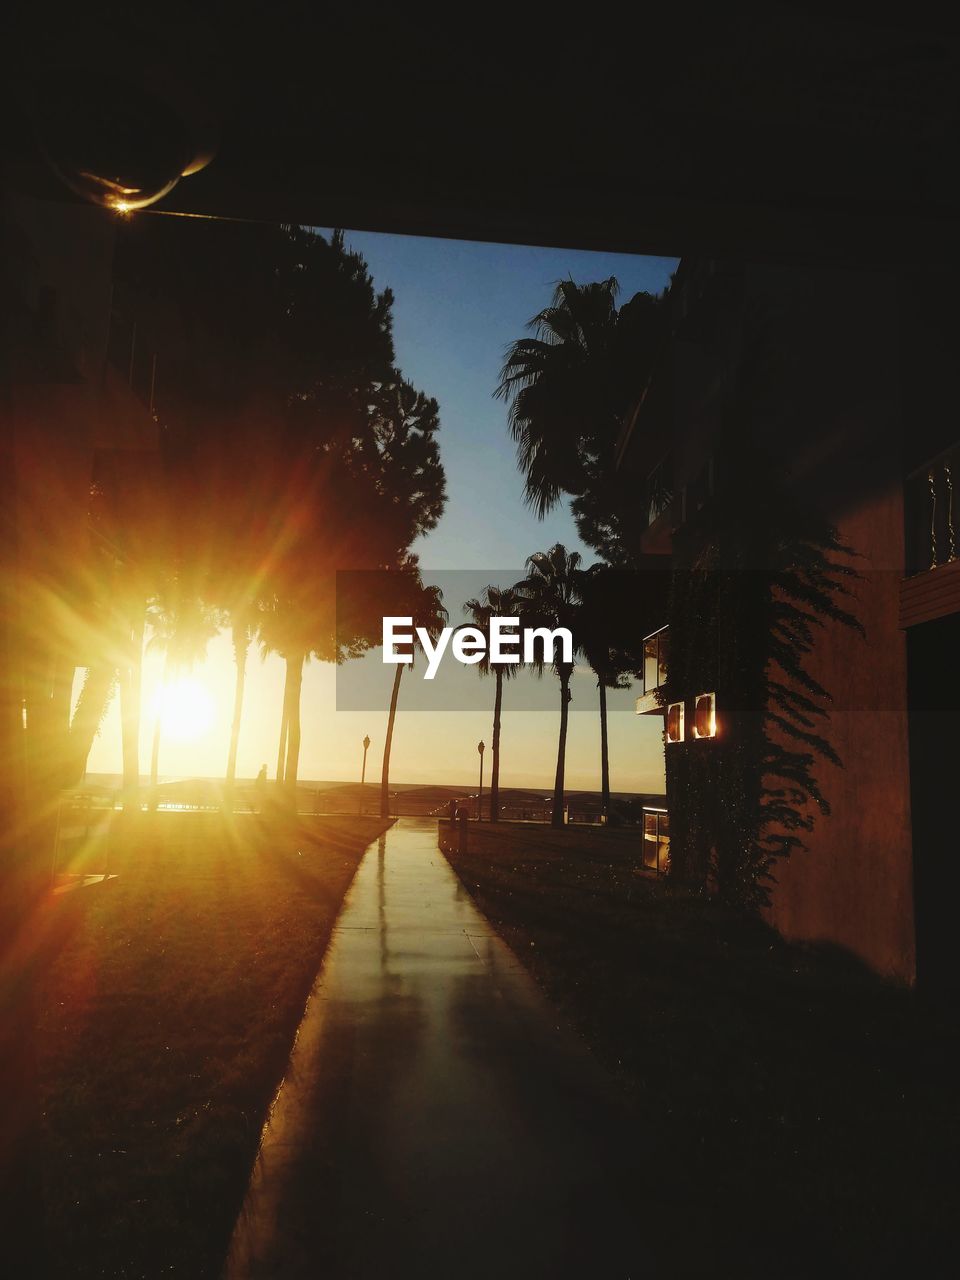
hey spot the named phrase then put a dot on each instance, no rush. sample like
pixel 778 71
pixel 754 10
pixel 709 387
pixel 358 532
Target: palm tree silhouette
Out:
pixel 241 633
pixel 182 625
pixel 551 598
pixel 427 611
pixel 569 385
pixel 286 628
pixel 496 602
pixel 601 638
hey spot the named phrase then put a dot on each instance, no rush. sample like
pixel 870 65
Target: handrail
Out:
pixel 932 513
pixel 919 472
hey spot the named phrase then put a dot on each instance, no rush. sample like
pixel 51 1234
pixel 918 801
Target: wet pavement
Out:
pixel 435 1119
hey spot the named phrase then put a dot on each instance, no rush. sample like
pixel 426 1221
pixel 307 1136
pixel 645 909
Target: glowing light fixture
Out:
pixel 120 134
pixel 675 722
pixel 705 716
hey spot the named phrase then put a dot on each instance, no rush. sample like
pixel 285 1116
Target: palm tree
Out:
pixel 496 602
pixel 355 506
pixel 96 692
pixel 126 510
pixel 551 597
pixel 600 639
pixel 428 612
pixel 242 626
pixel 285 627
pixel 570 384
pixel 182 626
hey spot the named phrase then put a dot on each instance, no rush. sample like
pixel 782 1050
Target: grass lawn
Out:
pixel 799 1115
pixel 167 1019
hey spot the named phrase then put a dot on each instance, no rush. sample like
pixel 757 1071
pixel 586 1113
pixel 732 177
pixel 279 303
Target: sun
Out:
pixel 185 708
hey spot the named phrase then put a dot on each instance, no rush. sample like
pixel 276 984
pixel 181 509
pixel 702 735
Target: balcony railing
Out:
pixel 932 513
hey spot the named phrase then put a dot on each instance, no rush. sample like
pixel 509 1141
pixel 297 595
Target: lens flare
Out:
pixel 185 708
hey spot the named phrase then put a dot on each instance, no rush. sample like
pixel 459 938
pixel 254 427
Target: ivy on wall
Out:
pixel 756 580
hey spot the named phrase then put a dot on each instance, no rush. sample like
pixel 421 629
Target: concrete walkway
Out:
pixel 435 1120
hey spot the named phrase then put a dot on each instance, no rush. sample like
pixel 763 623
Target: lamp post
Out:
pixel 363 771
pixel 480 792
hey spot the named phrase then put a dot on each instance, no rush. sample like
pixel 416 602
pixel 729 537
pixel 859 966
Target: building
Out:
pixel 840 382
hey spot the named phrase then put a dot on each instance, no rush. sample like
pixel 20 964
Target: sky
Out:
pixel 458 304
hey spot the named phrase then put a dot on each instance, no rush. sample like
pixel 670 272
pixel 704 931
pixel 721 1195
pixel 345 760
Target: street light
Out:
pixel 480 792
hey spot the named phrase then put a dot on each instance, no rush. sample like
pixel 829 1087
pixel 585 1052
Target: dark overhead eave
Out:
pixel 789 131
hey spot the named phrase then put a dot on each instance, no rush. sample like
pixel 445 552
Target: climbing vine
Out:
pixel 756 580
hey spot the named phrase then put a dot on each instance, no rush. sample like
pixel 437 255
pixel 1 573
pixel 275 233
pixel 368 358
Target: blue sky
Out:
pixel 458 305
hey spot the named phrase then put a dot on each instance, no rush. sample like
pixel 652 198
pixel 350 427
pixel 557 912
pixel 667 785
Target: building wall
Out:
pixel 840 428
pixel 822 350
pixel 853 885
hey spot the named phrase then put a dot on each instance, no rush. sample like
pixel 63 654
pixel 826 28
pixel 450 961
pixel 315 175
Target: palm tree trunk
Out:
pixel 557 818
pixel 388 742
pixel 92 704
pixel 604 750
pixel 240 649
pixel 292 687
pixel 282 751
pixel 495 768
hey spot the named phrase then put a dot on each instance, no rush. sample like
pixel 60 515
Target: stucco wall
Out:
pixel 853 886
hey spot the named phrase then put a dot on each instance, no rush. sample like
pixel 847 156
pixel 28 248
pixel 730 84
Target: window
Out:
pixel 675 722
pixel 656 839
pixel 705 716
pixel 655 660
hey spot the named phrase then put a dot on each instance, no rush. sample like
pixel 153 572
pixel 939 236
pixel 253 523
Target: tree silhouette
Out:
pixel 425 606
pixel 294 446
pixel 96 692
pixel 358 507
pixel 129 529
pixel 568 388
pixel 550 595
pixel 242 627
pixel 607 636
pixel 496 602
